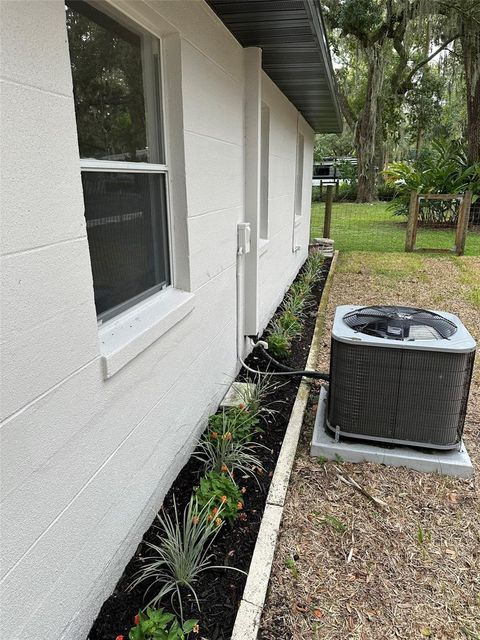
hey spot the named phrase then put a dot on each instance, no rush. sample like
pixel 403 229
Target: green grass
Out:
pixel 372 227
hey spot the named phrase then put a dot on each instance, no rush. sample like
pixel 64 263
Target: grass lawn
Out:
pixel 372 227
pixel 346 570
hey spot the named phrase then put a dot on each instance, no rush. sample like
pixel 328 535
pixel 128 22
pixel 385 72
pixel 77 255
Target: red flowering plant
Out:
pixel 242 423
pixel 222 495
pixel 157 624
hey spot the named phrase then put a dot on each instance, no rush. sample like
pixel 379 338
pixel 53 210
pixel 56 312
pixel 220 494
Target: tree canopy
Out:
pixel 408 72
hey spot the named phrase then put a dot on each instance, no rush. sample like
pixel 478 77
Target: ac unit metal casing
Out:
pixel 412 390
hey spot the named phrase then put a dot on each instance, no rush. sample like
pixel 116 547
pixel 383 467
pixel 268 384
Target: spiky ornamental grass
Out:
pixel 288 324
pixel 301 289
pixel 295 304
pixel 313 267
pixel 245 418
pixel 254 396
pixel 292 325
pixel 227 451
pixel 181 554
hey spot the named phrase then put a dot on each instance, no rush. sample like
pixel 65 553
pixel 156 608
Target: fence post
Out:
pixel 412 222
pixel 328 211
pixel 462 223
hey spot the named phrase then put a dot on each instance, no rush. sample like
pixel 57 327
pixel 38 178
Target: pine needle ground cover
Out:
pixel 347 569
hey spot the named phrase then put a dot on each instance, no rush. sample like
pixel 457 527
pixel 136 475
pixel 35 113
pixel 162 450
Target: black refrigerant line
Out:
pixel 286 371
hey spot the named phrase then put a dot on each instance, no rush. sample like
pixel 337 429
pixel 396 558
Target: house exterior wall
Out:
pixel 87 460
pixel 288 238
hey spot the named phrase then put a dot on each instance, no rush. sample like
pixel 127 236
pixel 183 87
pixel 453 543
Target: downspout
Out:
pixel 243 247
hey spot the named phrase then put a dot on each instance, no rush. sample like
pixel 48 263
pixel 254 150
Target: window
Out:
pixel 299 175
pixel 116 85
pixel 264 168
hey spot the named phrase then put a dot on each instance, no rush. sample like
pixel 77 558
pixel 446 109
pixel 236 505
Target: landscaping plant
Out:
pixel 254 396
pixel 445 170
pixel 313 267
pixel 220 495
pixel 302 289
pixel 288 324
pixel 228 449
pixel 279 343
pixel 242 422
pixel 296 303
pixel 181 554
pixel 157 624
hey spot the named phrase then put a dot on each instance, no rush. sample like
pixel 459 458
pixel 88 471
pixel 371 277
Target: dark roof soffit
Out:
pixel 295 52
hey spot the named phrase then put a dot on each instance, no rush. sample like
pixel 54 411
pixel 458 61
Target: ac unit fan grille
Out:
pixel 400 323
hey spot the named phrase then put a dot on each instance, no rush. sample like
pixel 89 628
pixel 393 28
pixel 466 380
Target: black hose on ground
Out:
pixel 286 371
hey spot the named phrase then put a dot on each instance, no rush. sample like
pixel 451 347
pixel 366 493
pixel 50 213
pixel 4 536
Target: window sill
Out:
pixel 130 333
pixel 262 245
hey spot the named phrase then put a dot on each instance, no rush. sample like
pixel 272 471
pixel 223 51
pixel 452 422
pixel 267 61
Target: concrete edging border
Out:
pixel 247 622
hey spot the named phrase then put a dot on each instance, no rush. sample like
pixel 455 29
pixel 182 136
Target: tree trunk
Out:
pixel 366 129
pixel 379 144
pixel 470 40
pixel 418 142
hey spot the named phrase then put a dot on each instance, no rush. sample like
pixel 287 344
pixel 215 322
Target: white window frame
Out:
pixel 156 139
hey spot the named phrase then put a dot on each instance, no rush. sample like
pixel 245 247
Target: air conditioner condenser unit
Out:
pixel 400 375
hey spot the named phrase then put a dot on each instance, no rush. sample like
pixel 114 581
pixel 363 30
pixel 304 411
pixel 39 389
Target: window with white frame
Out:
pixel 116 85
pixel 299 175
pixel 264 169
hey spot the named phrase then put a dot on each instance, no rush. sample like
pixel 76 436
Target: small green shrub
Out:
pixel 385 191
pixel 290 324
pixel 157 624
pixel 279 343
pixel 219 493
pixel 242 423
pixel 317 195
pixel 347 192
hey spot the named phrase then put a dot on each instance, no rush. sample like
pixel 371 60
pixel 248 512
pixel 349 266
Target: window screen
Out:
pixel 115 75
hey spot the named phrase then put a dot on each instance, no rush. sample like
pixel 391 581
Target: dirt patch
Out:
pixel 347 569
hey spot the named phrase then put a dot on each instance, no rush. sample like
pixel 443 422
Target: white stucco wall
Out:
pixel 86 461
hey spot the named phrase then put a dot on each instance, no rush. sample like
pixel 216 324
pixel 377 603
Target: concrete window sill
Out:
pixel 124 337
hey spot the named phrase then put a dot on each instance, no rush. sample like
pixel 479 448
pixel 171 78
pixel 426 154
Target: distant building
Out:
pixel 329 170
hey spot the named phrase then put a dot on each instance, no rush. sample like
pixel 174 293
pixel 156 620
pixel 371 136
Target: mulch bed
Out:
pixel 219 591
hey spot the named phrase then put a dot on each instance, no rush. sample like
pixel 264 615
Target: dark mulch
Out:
pixel 219 591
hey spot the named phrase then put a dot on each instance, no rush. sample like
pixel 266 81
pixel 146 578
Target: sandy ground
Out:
pixel 347 569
